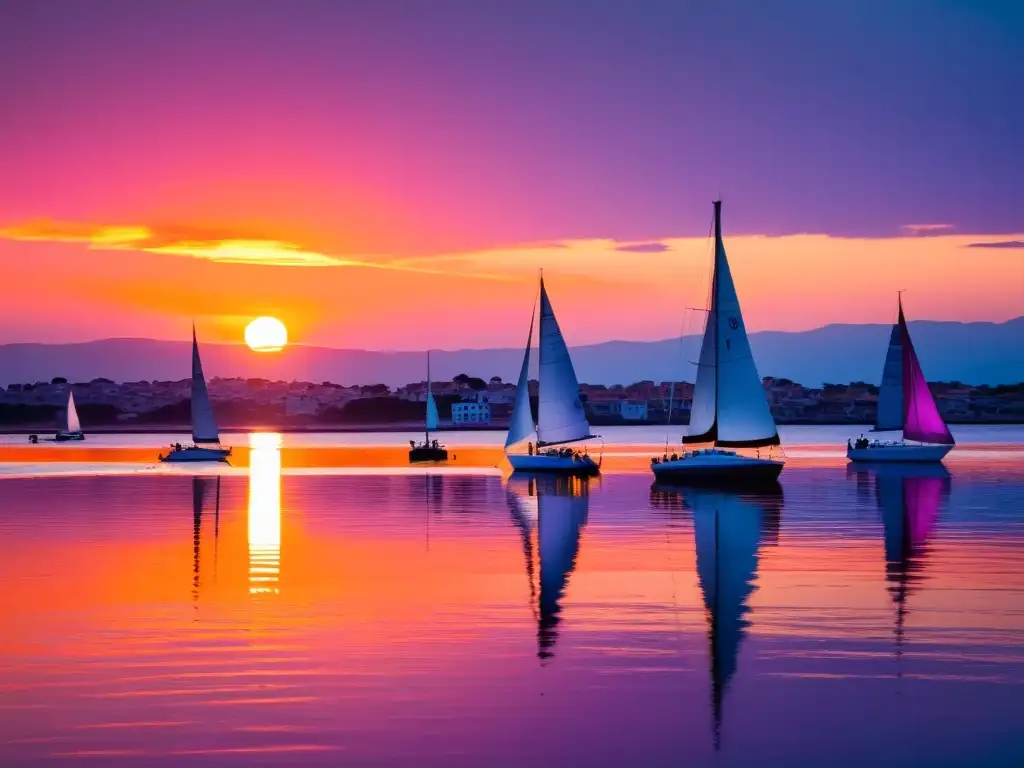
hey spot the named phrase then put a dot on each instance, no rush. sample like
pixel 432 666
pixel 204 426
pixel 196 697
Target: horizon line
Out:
pixel 242 344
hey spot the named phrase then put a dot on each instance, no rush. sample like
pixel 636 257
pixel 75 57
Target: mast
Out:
pixel 426 417
pixel 713 310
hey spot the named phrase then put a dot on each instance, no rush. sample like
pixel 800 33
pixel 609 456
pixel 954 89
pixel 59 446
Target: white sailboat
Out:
pixel 905 404
pixel 72 426
pixel 561 418
pixel 729 407
pixel 428 450
pixel 205 435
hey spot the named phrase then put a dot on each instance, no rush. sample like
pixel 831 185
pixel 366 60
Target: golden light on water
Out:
pixel 264 513
pixel 266 334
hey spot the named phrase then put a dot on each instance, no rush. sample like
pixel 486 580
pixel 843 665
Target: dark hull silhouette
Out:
pixel 426 453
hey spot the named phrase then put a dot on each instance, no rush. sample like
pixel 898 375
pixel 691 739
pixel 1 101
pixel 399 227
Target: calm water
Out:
pixel 464 618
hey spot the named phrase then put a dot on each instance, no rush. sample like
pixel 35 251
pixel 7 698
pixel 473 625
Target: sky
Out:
pixel 394 174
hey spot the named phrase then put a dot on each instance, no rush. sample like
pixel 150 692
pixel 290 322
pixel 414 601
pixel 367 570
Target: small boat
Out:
pixel 729 407
pixel 904 404
pixel 428 450
pixel 205 435
pixel 72 427
pixel 561 419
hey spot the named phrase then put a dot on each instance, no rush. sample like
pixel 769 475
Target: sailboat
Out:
pixel 73 427
pixel 729 407
pixel 427 450
pixel 557 508
pixel 561 419
pixel 205 436
pixel 904 404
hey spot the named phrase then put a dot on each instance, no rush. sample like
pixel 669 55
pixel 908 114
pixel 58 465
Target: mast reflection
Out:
pixel 264 513
pixel 202 488
pixel 729 530
pixel 557 508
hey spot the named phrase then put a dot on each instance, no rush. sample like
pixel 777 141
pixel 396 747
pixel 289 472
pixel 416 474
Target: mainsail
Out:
pixel 73 425
pixel 921 419
pixel 432 417
pixel 729 403
pixel 204 426
pixel 521 425
pixel 890 394
pixel 560 416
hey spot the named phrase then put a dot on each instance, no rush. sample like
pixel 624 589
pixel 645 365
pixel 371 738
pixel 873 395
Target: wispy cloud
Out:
pixel 178 241
pixel 924 229
pixel 652 247
pixel 998 244
pixel 221 245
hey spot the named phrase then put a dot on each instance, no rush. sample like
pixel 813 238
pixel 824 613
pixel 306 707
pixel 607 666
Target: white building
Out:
pixel 633 410
pixel 472 412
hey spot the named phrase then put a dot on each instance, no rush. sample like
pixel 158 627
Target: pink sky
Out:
pixel 395 179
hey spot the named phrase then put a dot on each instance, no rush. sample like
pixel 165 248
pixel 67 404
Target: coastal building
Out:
pixel 476 411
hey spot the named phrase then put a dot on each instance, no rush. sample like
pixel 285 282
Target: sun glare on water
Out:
pixel 266 334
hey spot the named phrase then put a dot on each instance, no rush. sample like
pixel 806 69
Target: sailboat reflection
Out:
pixel 908 497
pixel 729 529
pixel 557 507
pixel 264 513
pixel 202 488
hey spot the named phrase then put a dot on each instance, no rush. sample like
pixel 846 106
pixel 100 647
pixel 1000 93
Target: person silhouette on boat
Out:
pixel 529 447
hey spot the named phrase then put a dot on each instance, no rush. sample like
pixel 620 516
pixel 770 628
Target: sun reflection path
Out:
pixel 264 513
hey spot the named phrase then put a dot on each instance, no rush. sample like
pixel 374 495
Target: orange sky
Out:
pixel 84 281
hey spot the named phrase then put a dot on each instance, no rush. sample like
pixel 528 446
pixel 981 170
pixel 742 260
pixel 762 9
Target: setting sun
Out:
pixel 266 334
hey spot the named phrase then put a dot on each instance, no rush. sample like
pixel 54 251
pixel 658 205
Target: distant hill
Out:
pixel 975 353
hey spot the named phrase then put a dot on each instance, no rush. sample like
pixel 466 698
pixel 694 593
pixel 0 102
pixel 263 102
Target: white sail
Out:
pixel 890 394
pixel 74 425
pixel 431 412
pixel 432 417
pixel 521 426
pixel 702 411
pixel 560 416
pixel 204 426
pixel 744 418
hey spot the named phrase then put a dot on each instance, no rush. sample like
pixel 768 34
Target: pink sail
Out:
pixel 921 419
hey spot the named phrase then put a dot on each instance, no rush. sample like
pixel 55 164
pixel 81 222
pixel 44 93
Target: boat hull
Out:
pixel 421 454
pixel 196 453
pixel 565 465
pixel 63 437
pixel 718 468
pixel 898 452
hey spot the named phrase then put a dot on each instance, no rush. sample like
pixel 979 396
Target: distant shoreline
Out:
pixel 185 429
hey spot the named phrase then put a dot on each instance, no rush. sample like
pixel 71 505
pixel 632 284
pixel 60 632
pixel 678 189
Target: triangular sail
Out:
pixel 921 419
pixel 744 419
pixel 73 425
pixel 703 428
pixel 521 426
pixel 560 416
pixel 890 394
pixel 204 426
pixel 432 416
